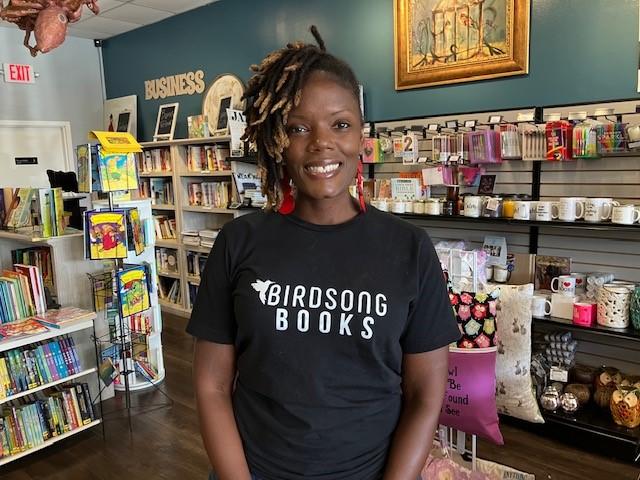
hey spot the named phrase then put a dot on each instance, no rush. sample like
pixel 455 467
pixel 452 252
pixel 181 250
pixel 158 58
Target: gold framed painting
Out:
pixel 451 41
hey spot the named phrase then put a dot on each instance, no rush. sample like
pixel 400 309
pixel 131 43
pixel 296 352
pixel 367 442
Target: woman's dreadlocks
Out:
pixel 276 88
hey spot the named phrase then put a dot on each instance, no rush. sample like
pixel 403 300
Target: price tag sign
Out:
pixel 470 123
pixel 525 117
pixel 410 149
pixel 237 124
pixel 398 146
pixel 433 127
pixel 493 119
pixel 559 374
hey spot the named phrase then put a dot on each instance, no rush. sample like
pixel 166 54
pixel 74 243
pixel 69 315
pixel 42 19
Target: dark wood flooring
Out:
pixel 165 443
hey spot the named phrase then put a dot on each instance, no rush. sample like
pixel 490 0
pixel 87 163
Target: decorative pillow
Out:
pixel 476 315
pixel 470 399
pixel 514 393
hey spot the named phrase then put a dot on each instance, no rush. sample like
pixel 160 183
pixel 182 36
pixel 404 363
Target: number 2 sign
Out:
pixel 410 148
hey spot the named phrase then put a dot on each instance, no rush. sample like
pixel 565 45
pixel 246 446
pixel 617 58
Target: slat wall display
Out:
pixel 617 252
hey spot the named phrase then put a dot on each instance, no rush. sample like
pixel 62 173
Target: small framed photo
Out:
pixel 166 122
pixel 222 123
pixel 124 122
pixel 487 182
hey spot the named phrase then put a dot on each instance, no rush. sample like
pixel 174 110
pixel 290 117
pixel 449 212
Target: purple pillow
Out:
pixel 470 399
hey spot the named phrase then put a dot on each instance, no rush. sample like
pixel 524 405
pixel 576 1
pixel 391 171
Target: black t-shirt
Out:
pixel 320 317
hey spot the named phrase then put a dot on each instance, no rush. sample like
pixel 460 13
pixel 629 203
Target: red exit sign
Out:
pixel 17 73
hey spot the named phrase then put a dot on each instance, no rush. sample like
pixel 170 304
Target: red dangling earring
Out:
pixel 360 187
pixel 288 202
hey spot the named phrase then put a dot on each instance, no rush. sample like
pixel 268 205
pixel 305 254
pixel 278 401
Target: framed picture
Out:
pixel 166 122
pixel 444 41
pixel 226 91
pixel 223 120
pixel 124 119
pixel 120 115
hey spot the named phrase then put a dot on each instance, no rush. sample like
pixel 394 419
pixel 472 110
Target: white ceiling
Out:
pixel 119 16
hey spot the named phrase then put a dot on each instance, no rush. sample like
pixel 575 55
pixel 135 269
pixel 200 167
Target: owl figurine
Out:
pixel 606 381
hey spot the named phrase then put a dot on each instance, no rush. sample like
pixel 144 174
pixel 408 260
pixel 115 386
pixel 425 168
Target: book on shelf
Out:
pixel 156 160
pixel 21 328
pixel 26 368
pixel 141 322
pixel 172 294
pixel 21 293
pixel 167 260
pixel 105 234
pixel 193 294
pixel 133 289
pixel 28 423
pixel 209 194
pixel 197 126
pixel 207 158
pixel 196 263
pixel 39 257
pixel 61 317
pixel 165 227
pixel 190 237
pixel 117 171
pixel 19 214
pixel 161 191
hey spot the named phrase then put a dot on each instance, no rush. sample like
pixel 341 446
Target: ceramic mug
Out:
pixel 522 210
pixel 472 206
pixel 633 132
pixel 625 214
pixel 544 211
pixel 566 285
pixel 584 314
pixel 598 209
pixel 568 209
pixel 581 282
pixel 540 306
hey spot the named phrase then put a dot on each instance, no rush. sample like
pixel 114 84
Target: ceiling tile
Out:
pixel 172 5
pixel 93 35
pixel 105 6
pixel 105 25
pixel 136 14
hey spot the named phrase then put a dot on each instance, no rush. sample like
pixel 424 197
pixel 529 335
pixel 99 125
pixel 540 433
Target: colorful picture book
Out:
pixel 117 171
pixel 106 234
pixel 133 289
pixel 135 231
pixel 197 126
pixel 29 425
pixel 23 369
pixel 21 328
pixel 39 257
pixel 21 293
pixel 58 318
pixel 20 209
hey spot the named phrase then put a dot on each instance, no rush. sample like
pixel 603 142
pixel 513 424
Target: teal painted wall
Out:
pixel 581 50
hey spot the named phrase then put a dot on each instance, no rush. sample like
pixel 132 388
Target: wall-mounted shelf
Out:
pixel 627 333
pixel 186 141
pixel 223 173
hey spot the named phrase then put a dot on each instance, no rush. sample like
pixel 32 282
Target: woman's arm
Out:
pixel 424 377
pixel 214 370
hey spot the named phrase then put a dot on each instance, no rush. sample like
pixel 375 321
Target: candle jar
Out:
pixel 508 207
pixel 408 206
pixel 418 207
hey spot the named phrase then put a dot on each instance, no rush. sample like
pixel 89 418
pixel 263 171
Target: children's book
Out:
pixel 106 234
pixel 83 163
pixel 135 231
pixel 20 210
pixel 117 171
pixel 60 317
pixel 133 290
pixel 29 326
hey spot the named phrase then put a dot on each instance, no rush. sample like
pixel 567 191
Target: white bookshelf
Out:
pixel 48 385
pixel 11 343
pixel 49 442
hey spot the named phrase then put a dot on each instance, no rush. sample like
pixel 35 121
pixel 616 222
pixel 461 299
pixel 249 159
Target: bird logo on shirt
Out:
pixel 262 286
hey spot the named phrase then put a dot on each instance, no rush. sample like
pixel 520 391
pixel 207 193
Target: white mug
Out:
pixel 540 306
pixel 472 206
pixel 533 207
pixel 598 209
pixel 566 285
pixel 625 214
pixel 522 210
pixel 500 273
pixel 568 209
pixel 581 282
pixel 543 211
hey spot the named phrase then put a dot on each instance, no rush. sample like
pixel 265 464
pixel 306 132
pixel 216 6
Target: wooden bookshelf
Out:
pixel 49 442
pixel 48 385
pixel 188 217
pixel 155 174
pixel 193 279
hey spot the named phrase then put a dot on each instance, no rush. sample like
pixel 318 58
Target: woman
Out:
pixel 334 317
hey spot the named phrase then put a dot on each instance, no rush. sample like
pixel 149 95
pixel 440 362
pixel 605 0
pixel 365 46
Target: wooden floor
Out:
pixel 165 443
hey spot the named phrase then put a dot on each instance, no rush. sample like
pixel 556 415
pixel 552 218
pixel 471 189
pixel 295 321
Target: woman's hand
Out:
pixel 214 371
pixel 424 377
